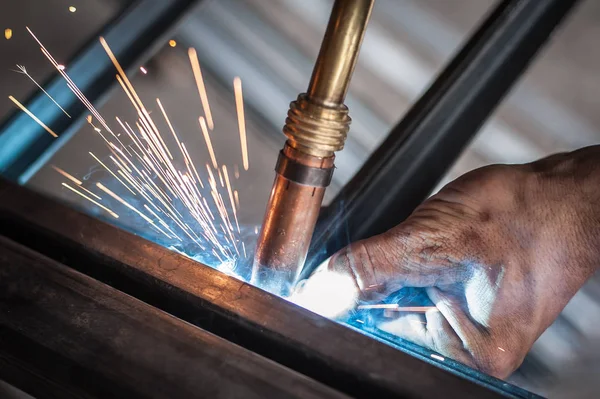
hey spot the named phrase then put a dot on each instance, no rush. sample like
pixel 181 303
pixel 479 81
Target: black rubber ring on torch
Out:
pixel 302 174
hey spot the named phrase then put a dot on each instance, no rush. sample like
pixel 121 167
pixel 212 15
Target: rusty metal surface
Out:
pixel 89 340
pixel 310 344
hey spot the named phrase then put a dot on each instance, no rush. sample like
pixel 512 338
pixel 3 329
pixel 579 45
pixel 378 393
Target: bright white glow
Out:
pixel 437 357
pixel 327 293
pixel 228 268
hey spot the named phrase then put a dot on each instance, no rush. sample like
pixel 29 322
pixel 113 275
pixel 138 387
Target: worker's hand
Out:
pixel 500 251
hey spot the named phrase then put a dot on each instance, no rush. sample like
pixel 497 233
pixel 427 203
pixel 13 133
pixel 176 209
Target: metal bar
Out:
pixel 89 340
pixel 404 170
pixel 24 145
pixel 328 352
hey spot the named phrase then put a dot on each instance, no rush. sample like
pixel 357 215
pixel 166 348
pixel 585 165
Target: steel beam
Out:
pixel 66 335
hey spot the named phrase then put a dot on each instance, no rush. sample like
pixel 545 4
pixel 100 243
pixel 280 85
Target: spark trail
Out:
pixel 23 70
pixel 167 190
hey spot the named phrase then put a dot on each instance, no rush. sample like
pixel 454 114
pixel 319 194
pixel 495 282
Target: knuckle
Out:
pixel 498 364
pixel 341 261
pixel 439 247
pixel 358 262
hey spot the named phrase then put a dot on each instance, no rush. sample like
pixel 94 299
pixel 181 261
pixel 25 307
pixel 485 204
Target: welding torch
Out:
pixel 316 126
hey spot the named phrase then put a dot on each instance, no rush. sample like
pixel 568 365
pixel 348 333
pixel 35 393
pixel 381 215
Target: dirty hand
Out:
pixel 499 251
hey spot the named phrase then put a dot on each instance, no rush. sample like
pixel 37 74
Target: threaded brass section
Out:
pixel 316 129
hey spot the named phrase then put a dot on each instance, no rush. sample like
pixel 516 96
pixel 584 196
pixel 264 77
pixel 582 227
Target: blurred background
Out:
pixel 272 45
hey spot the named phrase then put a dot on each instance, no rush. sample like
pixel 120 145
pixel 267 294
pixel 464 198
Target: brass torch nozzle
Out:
pixel 316 127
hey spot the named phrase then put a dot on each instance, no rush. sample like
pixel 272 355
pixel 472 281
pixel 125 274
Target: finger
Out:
pixel 431 331
pixel 460 322
pixel 411 327
pixel 474 338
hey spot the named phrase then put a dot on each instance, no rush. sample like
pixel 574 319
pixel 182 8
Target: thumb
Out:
pixel 374 268
pixel 402 257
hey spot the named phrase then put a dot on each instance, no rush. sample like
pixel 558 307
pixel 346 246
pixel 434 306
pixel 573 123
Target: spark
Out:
pixel 96 129
pixel 144 71
pixel 221 178
pixel 230 192
pixel 23 71
pixel 398 308
pixel 237 199
pixel 209 145
pixel 70 83
pixel 207 207
pixel 501 349
pixel 8 33
pixel 172 43
pixel 130 181
pixel 72 9
pixel 111 172
pixel 91 200
pixel 74 180
pixel 239 105
pixel 188 159
pixel 165 225
pixel 162 109
pixel 128 87
pixel 122 201
pixel 146 167
pixel 32 116
pixel 201 88
pixel 68 176
pixel 118 161
pixel 437 357
pixel 61 67
pixel 236 171
pixel 211 178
